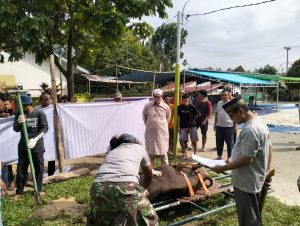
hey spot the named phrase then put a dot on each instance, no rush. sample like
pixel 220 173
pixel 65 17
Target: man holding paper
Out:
pixel 251 159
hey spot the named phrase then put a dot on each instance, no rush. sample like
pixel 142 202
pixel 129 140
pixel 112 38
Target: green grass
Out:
pixel 19 212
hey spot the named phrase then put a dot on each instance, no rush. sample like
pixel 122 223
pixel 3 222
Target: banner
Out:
pixel 87 128
pixel 9 139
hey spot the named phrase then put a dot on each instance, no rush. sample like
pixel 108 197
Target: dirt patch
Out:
pixel 60 206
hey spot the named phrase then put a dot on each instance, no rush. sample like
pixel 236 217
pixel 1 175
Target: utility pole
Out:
pixel 287 57
pixel 177 85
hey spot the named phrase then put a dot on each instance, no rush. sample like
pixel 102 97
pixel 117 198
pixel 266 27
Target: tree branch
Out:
pixel 59 66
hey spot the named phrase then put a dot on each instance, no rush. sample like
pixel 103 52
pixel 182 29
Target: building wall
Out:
pixel 30 74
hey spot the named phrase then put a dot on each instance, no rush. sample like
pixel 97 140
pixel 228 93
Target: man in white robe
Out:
pixel 156 115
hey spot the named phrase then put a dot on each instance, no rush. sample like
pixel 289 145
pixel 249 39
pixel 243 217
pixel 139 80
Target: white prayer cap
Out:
pixel 158 92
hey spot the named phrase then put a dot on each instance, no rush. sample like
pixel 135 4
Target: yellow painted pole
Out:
pixel 177 85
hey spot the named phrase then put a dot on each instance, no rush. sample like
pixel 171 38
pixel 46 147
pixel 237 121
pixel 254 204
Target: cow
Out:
pixel 173 184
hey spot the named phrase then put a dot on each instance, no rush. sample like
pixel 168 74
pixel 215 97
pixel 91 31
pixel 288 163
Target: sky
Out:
pixel 252 36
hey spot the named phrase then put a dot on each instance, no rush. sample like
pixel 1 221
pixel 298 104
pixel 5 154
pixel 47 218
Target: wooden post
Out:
pixel 59 148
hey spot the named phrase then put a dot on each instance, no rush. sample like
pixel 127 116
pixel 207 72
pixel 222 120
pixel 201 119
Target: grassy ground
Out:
pixel 19 212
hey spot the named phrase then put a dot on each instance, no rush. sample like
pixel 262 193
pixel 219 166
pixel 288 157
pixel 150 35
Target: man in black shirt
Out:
pixel 187 114
pixel 37 126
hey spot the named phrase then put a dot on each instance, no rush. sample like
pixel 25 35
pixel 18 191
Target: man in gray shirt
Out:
pixel 224 126
pixel 251 160
pixel 116 195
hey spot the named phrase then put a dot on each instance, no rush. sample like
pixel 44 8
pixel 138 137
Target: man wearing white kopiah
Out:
pixel 156 115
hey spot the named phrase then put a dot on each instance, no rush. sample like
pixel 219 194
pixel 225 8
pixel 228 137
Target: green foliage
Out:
pixel 163 44
pixel 239 69
pixel 269 70
pixel 19 212
pixel 294 71
pixel 129 52
pixel 77 26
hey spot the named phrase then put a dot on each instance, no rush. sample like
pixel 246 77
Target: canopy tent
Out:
pixel 276 78
pixel 234 78
pixel 192 86
pixel 145 76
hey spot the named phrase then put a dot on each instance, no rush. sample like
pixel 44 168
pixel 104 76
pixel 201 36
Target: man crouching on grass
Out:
pixel 251 160
pixel 116 197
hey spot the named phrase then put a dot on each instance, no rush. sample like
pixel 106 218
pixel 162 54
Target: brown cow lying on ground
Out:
pixel 173 184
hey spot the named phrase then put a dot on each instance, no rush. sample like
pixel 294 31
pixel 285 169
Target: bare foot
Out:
pixel 219 158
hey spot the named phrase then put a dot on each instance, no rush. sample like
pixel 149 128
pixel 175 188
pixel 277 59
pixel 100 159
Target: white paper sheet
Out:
pixel 208 162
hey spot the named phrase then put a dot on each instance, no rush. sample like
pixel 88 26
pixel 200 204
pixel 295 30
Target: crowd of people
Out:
pixel 116 196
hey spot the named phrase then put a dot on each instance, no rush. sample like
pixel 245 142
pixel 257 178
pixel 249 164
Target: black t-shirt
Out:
pixel 37 125
pixel 187 115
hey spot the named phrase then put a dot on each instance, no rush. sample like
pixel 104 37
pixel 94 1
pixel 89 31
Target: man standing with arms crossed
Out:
pixel 251 161
pixel 156 116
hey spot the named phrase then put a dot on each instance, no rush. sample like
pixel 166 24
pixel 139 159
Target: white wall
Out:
pixel 30 74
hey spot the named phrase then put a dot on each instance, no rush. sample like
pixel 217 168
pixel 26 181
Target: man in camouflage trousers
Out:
pixel 116 198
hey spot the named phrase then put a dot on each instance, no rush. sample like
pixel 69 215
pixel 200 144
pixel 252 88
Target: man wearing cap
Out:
pixel 118 97
pixel 37 127
pixel 116 196
pixel 251 161
pixel 156 116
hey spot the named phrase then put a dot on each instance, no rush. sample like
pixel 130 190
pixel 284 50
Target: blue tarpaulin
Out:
pixel 234 78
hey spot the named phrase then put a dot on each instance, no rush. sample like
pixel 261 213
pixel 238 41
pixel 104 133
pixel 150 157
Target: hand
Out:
pixel 268 182
pixel 31 143
pixel 214 127
pixel 3 187
pixel 4 115
pixel 145 193
pixel 21 119
pixel 218 169
pixel 156 173
pixel 203 123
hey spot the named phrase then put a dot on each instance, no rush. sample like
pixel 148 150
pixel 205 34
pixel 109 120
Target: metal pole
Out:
pixel 89 86
pixel 299 105
pixel 60 79
pixel 184 80
pixel 117 82
pixel 287 57
pixel 58 141
pixel 177 85
pixel 277 98
pixel 154 75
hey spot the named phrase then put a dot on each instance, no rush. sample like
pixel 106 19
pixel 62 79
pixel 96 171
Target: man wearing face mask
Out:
pixel 37 127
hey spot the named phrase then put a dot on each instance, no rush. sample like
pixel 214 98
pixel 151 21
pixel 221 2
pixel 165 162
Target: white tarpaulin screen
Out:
pixel 9 139
pixel 87 128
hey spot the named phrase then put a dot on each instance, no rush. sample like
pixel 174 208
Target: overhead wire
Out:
pixel 228 8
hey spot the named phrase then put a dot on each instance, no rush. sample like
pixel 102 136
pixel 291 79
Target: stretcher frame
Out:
pixel 228 202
